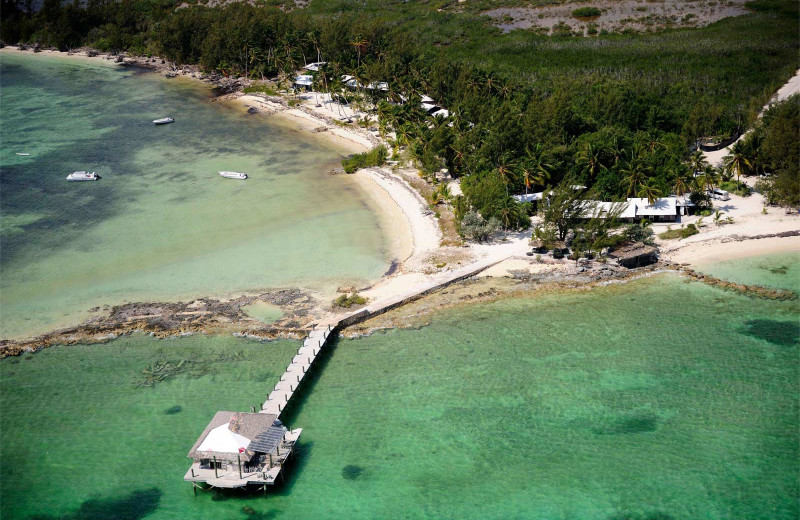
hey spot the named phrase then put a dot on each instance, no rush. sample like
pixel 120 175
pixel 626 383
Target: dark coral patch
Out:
pixel 352 472
pixel 784 333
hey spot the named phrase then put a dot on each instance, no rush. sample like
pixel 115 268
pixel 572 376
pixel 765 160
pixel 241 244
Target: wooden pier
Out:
pixel 240 449
pixel 290 380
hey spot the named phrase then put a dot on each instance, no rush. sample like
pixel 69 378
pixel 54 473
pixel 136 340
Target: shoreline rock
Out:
pixel 201 316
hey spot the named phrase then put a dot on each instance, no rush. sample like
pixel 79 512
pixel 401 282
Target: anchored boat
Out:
pixel 234 175
pixel 163 121
pixel 82 176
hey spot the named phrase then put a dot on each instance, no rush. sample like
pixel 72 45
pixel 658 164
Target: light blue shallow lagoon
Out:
pixel 660 399
pixel 780 271
pixel 161 224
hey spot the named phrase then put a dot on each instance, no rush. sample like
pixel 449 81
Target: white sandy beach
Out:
pixel 722 242
pixel 413 232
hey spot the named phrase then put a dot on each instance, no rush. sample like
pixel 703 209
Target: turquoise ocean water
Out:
pixel 660 399
pixel 160 224
pixel 780 271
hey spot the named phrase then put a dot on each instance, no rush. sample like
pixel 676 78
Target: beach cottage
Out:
pixel 238 449
pixel 304 82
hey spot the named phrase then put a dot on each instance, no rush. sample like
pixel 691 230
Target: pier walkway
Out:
pixel 240 449
pixel 279 397
pixel 317 339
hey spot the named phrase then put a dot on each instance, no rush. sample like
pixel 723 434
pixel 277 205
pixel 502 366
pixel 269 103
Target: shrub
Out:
pixel 261 89
pixel 586 12
pixel 640 232
pixel 683 232
pixel 374 157
pixel 737 188
pixel 475 227
pixel 702 201
pixel 348 300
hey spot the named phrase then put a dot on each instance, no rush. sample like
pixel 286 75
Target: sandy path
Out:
pixel 790 88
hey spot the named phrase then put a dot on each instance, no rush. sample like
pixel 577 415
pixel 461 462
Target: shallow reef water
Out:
pixel 653 400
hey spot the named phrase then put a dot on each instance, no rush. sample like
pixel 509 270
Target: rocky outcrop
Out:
pixel 635 255
pixel 180 319
pixel 756 291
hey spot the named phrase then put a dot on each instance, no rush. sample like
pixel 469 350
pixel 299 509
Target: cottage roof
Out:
pixel 530 197
pixel 381 85
pixel 222 439
pixel 349 81
pixel 601 209
pixel 304 79
pixel 266 441
pixel 244 425
pixel 682 201
pixel 659 207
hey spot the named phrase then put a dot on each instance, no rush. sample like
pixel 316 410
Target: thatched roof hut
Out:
pixel 230 434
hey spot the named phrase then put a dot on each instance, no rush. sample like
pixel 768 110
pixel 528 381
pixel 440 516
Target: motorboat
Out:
pixel 163 121
pixel 23 154
pixel 234 175
pixel 82 176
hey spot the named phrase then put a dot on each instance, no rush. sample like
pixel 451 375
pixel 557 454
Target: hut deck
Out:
pixel 228 476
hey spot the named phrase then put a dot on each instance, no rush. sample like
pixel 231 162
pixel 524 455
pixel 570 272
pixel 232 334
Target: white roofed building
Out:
pixel 305 81
pixel 661 210
pixel 665 209
pixel 529 197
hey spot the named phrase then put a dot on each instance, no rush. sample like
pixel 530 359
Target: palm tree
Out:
pixel 698 161
pixel 708 180
pixel 681 185
pixel 360 43
pixel 505 168
pixel 527 178
pixel 589 158
pixel 652 142
pixel 504 87
pixel 405 133
pixel 736 162
pixel 537 166
pixel 634 172
pixel 474 84
pixel 509 212
pixel 490 81
pixel 615 149
pixel 649 191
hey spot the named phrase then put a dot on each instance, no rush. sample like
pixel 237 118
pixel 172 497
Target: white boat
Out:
pixel 234 175
pixel 82 176
pixel 23 154
pixel 163 121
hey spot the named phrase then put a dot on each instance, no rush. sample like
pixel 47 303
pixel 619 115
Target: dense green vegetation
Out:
pixel 681 232
pixel 348 300
pixel 585 12
pixel 773 148
pixel 374 157
pixel 617 113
